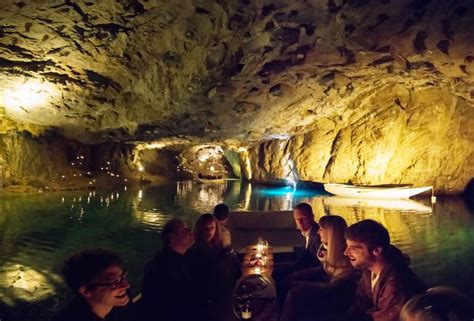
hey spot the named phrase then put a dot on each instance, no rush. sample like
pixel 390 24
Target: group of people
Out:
pixel 342 272
pixel 356 275
pixel 188 279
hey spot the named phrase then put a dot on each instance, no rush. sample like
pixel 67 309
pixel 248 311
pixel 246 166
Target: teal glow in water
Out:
pixel 37 232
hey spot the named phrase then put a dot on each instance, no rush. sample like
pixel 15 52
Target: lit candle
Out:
pixel 258 255
pixel 246 314
pixel 257 270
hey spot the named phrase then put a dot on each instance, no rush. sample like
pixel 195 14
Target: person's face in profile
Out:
pixel 184 236
pixel 323 235
pixel 108 289
pixel 303 222
pixel 359 254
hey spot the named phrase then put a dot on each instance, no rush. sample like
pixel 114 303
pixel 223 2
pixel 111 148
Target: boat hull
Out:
pixel 210 181
pixel 374 191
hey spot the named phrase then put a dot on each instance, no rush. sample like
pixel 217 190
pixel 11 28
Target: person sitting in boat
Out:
pixel 221 213
pixel 305 255
pixel 169 292
pixel 328 288
pixel 387 281
pixel 304 220
pixel 438 304
pixel 99 281
pixel 214 270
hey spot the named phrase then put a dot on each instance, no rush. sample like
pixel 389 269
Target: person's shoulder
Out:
pixel 75 311
pixel 125 313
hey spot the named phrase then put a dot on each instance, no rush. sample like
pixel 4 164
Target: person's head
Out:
pixel 332 229
pixel 221 212
pixel 438 304
pixel 176 235
pixel 205 230
pixel 304 217
pixel 97 276
pixel 367 241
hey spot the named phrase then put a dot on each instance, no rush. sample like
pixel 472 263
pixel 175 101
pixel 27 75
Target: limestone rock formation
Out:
pixel 253 72
pixel 402 140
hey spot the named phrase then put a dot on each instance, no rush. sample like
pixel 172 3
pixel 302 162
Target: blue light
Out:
pixel 288 190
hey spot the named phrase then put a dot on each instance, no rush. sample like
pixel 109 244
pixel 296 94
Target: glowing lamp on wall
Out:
pixel 28 95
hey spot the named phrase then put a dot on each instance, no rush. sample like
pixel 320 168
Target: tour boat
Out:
pixel 383 192
pixel 209 179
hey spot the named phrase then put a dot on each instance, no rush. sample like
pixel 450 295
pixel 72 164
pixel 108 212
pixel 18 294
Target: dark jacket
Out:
pixel 202 260
pixel 79 310
pixel 306 257
pixel 168 291
pixel 395 285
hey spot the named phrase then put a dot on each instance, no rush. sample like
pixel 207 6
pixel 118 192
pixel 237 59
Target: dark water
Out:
pixel 37 232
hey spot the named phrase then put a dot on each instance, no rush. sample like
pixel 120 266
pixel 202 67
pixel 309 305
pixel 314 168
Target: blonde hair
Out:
pixel 336 228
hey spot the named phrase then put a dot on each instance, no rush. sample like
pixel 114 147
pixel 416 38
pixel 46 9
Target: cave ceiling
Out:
pixel 222 70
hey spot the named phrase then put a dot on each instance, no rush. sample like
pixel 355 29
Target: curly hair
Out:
pixel 83 267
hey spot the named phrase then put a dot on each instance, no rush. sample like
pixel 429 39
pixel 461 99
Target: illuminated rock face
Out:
pixel 401 140
pixel 364 81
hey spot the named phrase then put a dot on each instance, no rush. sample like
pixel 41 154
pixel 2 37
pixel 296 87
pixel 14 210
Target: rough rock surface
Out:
pixel 253 71
pixel 394 136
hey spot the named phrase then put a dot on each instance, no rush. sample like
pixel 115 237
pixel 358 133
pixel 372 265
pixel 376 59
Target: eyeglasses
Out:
pixel 115 284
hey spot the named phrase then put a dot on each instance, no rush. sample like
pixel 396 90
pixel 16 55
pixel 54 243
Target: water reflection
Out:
pixel 400 205
pixel 38 231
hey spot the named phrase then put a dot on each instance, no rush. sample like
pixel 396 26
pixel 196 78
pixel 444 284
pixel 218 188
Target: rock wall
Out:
pixel 51 162
pixel 397 135
pixel 25 160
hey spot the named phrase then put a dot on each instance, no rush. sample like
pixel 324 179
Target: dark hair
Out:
pixel 369 232
pixel 170 227
pixel 82 268
pixel 221 212
pixel 439 304
pixel 305 208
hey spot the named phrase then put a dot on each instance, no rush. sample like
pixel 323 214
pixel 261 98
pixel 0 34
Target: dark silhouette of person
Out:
pixel 168 291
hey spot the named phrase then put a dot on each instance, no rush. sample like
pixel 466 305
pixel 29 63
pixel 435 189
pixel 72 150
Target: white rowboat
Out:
pixel 381 192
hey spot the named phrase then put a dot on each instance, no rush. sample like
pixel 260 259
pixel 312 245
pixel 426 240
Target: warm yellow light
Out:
pixel 211 168
pixel 141 168
pixel 29 94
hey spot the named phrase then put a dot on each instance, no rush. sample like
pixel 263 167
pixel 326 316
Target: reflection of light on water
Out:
pixel 22 283
pixel 202 197
pixel 211 195
pixel 399 205
pixel 151 220
pixel 247 197
pixel 183 187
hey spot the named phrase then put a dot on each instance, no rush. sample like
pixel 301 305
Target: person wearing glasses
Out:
pixel 97 278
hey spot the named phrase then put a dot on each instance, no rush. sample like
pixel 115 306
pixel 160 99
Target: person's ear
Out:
pixel 84 292
pixel 377 251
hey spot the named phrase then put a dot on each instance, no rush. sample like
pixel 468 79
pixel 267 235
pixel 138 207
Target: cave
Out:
pixel 133 104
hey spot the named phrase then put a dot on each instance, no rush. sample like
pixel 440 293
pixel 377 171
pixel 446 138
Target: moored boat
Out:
pixel 383 192
pixel 209 179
